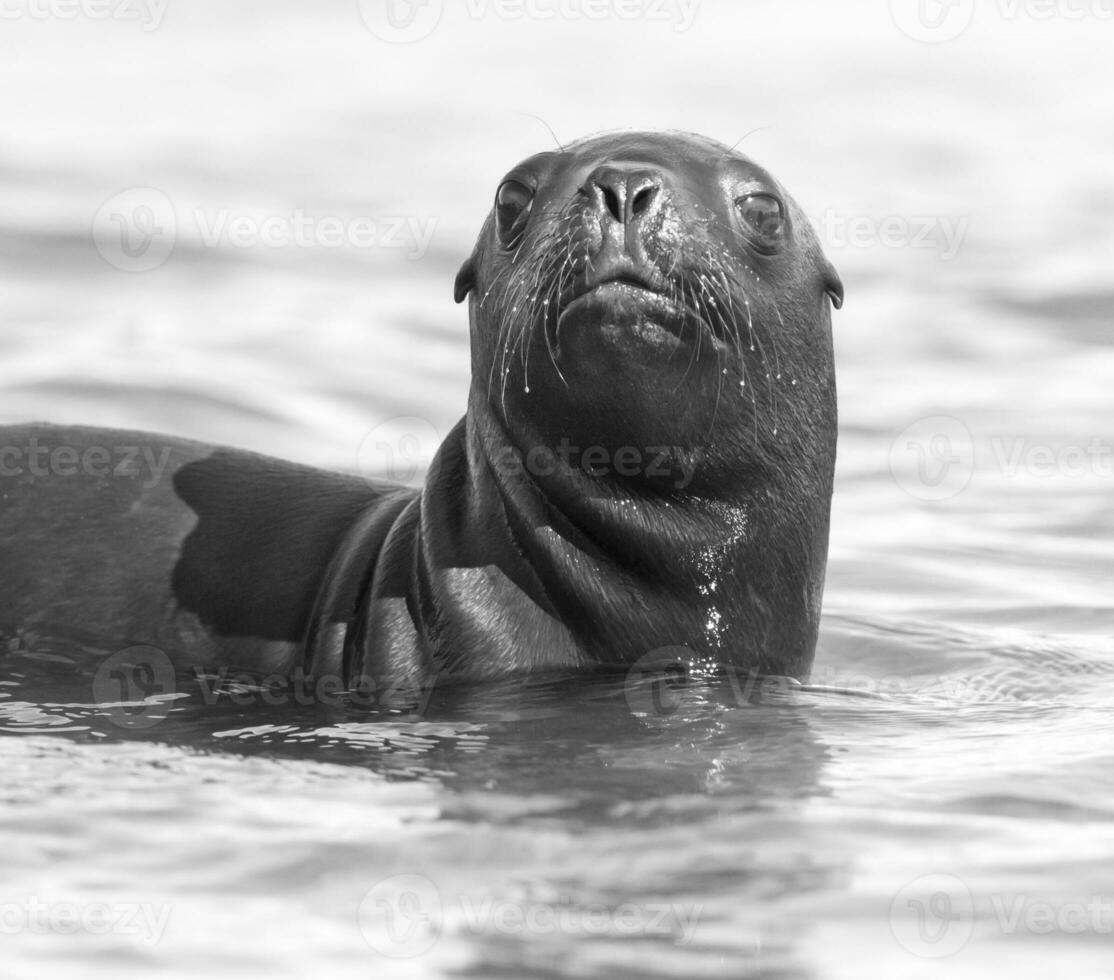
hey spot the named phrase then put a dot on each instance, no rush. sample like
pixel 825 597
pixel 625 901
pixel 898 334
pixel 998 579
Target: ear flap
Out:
pixel 833 285
pixel 465 280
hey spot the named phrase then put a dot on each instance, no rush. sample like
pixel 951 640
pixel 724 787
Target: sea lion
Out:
pixel 646 461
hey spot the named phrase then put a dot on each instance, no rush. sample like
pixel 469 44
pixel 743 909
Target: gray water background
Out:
pixel 969 585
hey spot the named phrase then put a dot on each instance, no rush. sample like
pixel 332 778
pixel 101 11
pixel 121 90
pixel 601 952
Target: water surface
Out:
pixel 947 789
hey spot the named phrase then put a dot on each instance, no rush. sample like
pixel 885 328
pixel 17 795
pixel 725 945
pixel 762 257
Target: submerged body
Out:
pixel 646 461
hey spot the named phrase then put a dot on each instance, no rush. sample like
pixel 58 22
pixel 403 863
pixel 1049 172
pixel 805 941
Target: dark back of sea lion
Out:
pixel 213 555
pixel 646 461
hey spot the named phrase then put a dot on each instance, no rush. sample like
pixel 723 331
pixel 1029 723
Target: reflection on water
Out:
pixel 759 817
pixel 942 785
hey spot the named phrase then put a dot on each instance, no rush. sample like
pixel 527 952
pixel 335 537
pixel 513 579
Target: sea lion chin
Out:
pixel 646 461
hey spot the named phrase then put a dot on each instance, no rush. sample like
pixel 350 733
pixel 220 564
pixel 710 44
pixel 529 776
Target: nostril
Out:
pixel 611 199
pixel 642 200
pixel 624 195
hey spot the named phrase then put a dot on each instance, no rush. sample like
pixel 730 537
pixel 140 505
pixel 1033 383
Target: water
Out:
pixel 945 789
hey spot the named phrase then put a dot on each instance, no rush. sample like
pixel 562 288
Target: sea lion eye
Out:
pixel 512 210
pixel 764 214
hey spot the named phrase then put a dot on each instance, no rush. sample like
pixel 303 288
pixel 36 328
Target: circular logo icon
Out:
pixel 128 686
pixel 656 685
pixel 932 21
pixel 400 917
pixel 934 916
pixel 934 458
pixel 135 231
pixel 399 449
pixel 401 21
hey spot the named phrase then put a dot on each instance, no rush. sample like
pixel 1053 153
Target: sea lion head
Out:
pixel 638 290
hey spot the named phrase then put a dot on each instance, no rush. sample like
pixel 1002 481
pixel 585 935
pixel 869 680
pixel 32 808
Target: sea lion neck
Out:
pixel 599 579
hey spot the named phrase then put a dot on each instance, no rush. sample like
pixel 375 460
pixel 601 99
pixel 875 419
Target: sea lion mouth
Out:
pixel 629 306
pixel 616 274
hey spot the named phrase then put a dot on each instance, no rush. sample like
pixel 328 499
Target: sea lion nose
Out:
pixel 624 195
